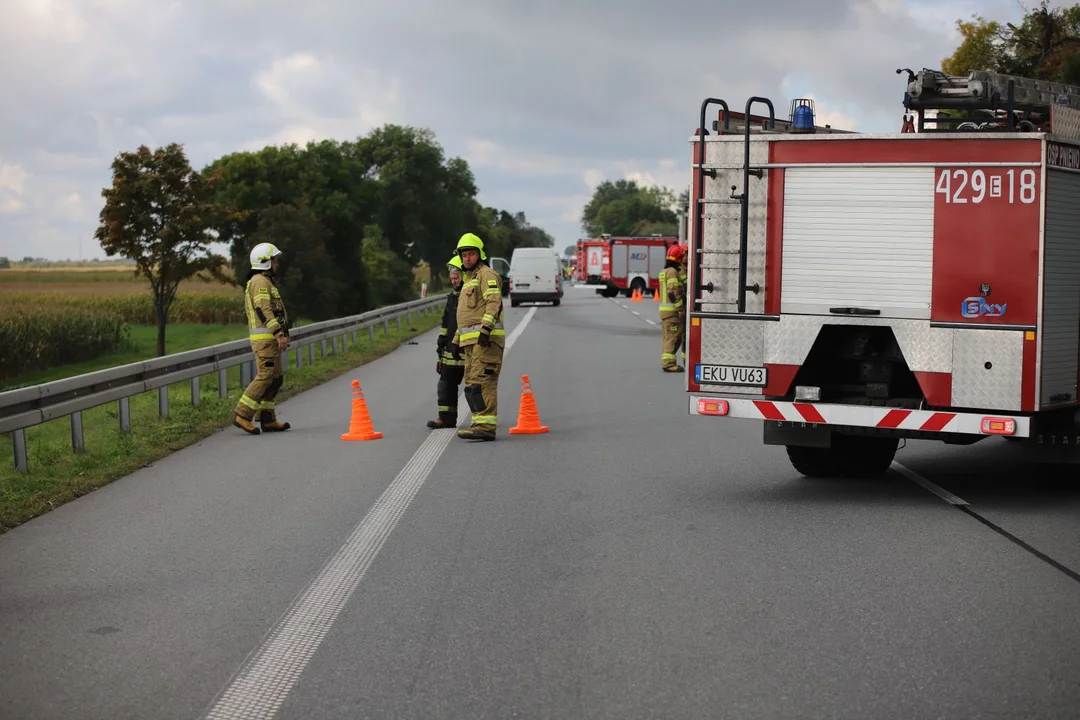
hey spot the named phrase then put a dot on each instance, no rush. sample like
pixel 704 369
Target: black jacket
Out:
pixel 449 321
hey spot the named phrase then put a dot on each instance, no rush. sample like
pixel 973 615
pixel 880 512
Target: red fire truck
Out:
pixel 625 264
pixel 592 262
pixel 850 290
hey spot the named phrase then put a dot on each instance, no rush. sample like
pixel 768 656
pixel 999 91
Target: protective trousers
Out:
pixel 450 377
pixel 673 330
pixel 259 396
pixel 482 367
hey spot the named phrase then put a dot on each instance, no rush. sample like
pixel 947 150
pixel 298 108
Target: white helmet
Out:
pixel 261 254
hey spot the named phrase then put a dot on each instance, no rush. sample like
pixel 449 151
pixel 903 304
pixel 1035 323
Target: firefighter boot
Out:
pixel 274 426
pixel 245 425
pixel 476 433
pixel 447 396
pixel 268 420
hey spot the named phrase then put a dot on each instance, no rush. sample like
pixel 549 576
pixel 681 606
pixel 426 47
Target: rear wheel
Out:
pixel 849 456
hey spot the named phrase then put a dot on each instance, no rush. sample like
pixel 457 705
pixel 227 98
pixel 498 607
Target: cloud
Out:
pixel 545 101
pixel 12 185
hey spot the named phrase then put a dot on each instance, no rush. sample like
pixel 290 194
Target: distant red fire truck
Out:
pixel 622 264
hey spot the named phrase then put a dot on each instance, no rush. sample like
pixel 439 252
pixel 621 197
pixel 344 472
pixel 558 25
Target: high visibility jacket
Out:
pixel 449 352
pixel 672 293
pixel 480 307
pixel 265 309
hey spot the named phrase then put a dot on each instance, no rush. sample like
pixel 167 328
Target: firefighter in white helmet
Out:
pixel 481 336
pixel 268 331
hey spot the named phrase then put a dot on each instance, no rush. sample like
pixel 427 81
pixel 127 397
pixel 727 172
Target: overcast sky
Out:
pixel 544 103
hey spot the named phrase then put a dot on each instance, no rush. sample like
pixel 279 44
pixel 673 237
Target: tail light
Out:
pixel 998 426
pixel 708 406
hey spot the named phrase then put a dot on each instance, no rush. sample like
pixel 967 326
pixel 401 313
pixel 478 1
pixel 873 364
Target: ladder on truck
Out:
pixel 996 102
pixel 701 214
pixel 727 124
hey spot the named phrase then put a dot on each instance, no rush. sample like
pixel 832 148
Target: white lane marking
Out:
pixel 260 686
pixel 635 312
pixel 920 480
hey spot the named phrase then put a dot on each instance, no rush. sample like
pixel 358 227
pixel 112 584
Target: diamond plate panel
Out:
pixel 975 386
pixel 1065 121
pixel 733 342
pixel 926 349
pixel 721 226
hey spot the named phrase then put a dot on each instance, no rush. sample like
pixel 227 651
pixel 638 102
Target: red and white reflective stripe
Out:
pixel 860 416
pixel 895 418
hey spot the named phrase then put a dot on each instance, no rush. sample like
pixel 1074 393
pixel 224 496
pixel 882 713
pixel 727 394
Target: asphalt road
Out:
pixel 634 562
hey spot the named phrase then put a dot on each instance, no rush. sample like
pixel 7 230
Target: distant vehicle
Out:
pixel 535 276
pixel 501 266
pixel 623 264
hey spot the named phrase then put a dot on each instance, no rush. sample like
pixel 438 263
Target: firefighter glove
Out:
pixel 485 338
pixel 438 367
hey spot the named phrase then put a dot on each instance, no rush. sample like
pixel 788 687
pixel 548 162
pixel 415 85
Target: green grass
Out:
pixel 58 475
pixel 142 346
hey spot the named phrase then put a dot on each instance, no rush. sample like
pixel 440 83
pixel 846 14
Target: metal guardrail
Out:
pixel 26 407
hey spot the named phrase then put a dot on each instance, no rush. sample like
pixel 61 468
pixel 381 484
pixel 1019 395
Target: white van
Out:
pixel 535 276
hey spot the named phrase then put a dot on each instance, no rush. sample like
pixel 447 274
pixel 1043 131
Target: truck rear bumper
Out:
pixel 866 416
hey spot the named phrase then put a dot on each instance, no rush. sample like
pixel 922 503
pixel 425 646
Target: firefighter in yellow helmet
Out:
pixel 481 336
pixel 450 365
pixel 673 308
pixel 268 331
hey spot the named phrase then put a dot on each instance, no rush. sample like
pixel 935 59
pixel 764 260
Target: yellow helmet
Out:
pixel 454 265
pixel 469 240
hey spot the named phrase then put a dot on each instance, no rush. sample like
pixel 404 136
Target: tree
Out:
pixel 569 251
pixel 1044 46
pixel 624 208
pixel 306 278
pixel 160 213
pixel 389 275
pixel 330 182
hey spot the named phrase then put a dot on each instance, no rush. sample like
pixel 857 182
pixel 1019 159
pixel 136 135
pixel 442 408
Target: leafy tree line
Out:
pixel 625 208
pixel 353 217
pixel 1044 46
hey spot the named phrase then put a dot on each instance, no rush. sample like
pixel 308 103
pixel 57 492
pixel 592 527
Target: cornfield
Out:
pixel 204 308
pixel 58 316
pixel 38 337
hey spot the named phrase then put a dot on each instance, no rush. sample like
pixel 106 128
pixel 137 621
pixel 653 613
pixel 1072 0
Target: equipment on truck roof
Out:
pixel 1008 103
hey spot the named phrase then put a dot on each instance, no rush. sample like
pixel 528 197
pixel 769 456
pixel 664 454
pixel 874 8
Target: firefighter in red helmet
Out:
pixel 673 307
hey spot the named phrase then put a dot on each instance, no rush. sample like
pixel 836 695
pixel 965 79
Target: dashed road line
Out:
pixel 258 689
pixel 626 307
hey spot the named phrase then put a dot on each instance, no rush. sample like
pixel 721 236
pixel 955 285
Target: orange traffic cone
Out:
pixel 656 295
pixel 360 427
pixel 528 416
pixel 636 295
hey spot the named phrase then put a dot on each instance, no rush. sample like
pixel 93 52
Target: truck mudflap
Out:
pixel 867 416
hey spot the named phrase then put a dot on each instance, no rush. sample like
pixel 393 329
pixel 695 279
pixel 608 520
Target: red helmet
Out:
pixel 677 252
